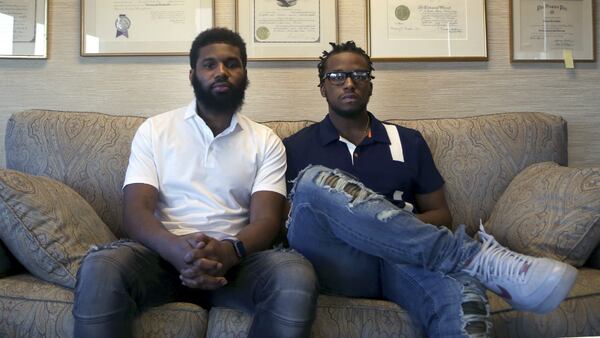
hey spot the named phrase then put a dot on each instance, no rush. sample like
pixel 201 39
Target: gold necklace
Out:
pixel 368 126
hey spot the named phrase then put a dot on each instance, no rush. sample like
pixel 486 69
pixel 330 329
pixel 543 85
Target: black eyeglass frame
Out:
pixel 354 75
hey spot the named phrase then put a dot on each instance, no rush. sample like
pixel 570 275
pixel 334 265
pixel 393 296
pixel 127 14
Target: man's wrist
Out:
pixel 164 245
pixel 238 246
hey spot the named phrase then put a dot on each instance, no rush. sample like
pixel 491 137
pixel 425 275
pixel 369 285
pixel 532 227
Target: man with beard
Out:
pixel 379 237
pixel 203 196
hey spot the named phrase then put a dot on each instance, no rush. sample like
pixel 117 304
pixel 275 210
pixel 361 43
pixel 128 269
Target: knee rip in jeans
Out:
pixel 386 215
pixel 108 246
pixel 111 245
pixel 354 190
pixel 475 312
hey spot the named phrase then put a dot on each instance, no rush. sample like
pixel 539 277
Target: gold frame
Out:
pixel 204 18
pixel 557 55
pixel 287 50
pixel 40 38
pixel 414 49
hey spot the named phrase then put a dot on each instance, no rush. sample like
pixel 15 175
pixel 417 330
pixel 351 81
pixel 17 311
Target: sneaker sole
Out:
pixel 559 293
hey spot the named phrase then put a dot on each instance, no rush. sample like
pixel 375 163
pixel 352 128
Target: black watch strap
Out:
pixel 238 246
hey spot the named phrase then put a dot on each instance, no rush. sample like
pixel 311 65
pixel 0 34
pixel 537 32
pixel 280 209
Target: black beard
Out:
pixel 226 102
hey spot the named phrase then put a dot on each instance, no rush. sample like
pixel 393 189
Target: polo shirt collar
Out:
pixel 327 132
pixel 190 112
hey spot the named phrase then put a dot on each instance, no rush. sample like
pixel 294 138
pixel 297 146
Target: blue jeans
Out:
pixel 361 245
pixel 117 280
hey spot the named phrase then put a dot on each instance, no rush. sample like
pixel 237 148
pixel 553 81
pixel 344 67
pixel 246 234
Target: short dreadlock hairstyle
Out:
pixel 348 46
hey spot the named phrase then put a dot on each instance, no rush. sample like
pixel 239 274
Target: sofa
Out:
pixel 480 157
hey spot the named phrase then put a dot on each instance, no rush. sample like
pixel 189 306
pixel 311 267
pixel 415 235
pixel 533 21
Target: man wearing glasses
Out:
pixel 379 237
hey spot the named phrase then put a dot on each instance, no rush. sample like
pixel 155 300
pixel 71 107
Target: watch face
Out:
pixel 240 249
pixel 238 246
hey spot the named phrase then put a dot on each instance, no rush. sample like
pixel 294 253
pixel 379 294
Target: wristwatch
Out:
pixel 238 246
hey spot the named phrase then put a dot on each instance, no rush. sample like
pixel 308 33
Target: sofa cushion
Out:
pixel 47 226
pixel 552 211
pixel 479 156
pixel 335 317
pixel 30 307
pixel 577 316
pixel 86 151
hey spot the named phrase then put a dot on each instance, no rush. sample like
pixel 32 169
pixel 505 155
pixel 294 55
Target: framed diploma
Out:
pixel 427 30
pixel 23 27
pixel 287 29
pixel 142 27
pixel 548 30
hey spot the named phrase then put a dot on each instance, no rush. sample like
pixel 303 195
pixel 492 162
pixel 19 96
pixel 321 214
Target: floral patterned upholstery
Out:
pixel 550 210
pixel 47 226
pixel 478 157
pixel 336 317
pixel 30 307
pixel 88 152
pixel 577 316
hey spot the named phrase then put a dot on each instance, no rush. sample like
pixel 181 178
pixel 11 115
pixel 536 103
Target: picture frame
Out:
pixel 427 30
pixel 547 31
pixel 287 29
pixel 23 29
pixel 117 28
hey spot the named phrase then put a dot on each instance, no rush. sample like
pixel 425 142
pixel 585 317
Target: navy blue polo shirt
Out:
pixel 398 170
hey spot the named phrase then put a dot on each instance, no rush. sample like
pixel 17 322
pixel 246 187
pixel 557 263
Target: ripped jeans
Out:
pixel 121 278
pixel 361 245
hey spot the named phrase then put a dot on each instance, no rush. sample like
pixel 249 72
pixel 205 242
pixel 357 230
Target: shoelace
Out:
pixel 495 260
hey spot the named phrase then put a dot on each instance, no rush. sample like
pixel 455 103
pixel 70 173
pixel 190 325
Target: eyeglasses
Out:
pixel 338 78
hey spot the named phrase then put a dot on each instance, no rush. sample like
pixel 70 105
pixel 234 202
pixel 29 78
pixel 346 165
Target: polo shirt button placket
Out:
pixel 209 160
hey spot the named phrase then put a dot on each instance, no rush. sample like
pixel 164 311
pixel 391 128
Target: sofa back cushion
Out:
pixel 478 156
pixel 86 151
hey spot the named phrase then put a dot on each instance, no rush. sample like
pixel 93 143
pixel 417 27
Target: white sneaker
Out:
pixel 527 283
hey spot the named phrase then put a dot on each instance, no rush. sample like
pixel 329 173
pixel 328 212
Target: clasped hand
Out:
pixel 205 262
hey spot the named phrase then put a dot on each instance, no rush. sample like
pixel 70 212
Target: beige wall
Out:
pixel 287 90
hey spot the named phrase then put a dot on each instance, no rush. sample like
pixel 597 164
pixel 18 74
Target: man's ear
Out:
pixel 191 74
pixel 323 91
pixel 370 88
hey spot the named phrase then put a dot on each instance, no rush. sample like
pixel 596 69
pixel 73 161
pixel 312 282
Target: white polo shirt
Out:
pixel 204 182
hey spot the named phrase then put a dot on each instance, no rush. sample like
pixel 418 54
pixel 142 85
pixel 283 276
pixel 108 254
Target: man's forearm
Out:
pixel 148 230
pixel 266 208
pixel 141 224
pixel 259 235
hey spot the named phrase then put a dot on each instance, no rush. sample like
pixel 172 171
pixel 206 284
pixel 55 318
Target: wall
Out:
pixel 287 90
